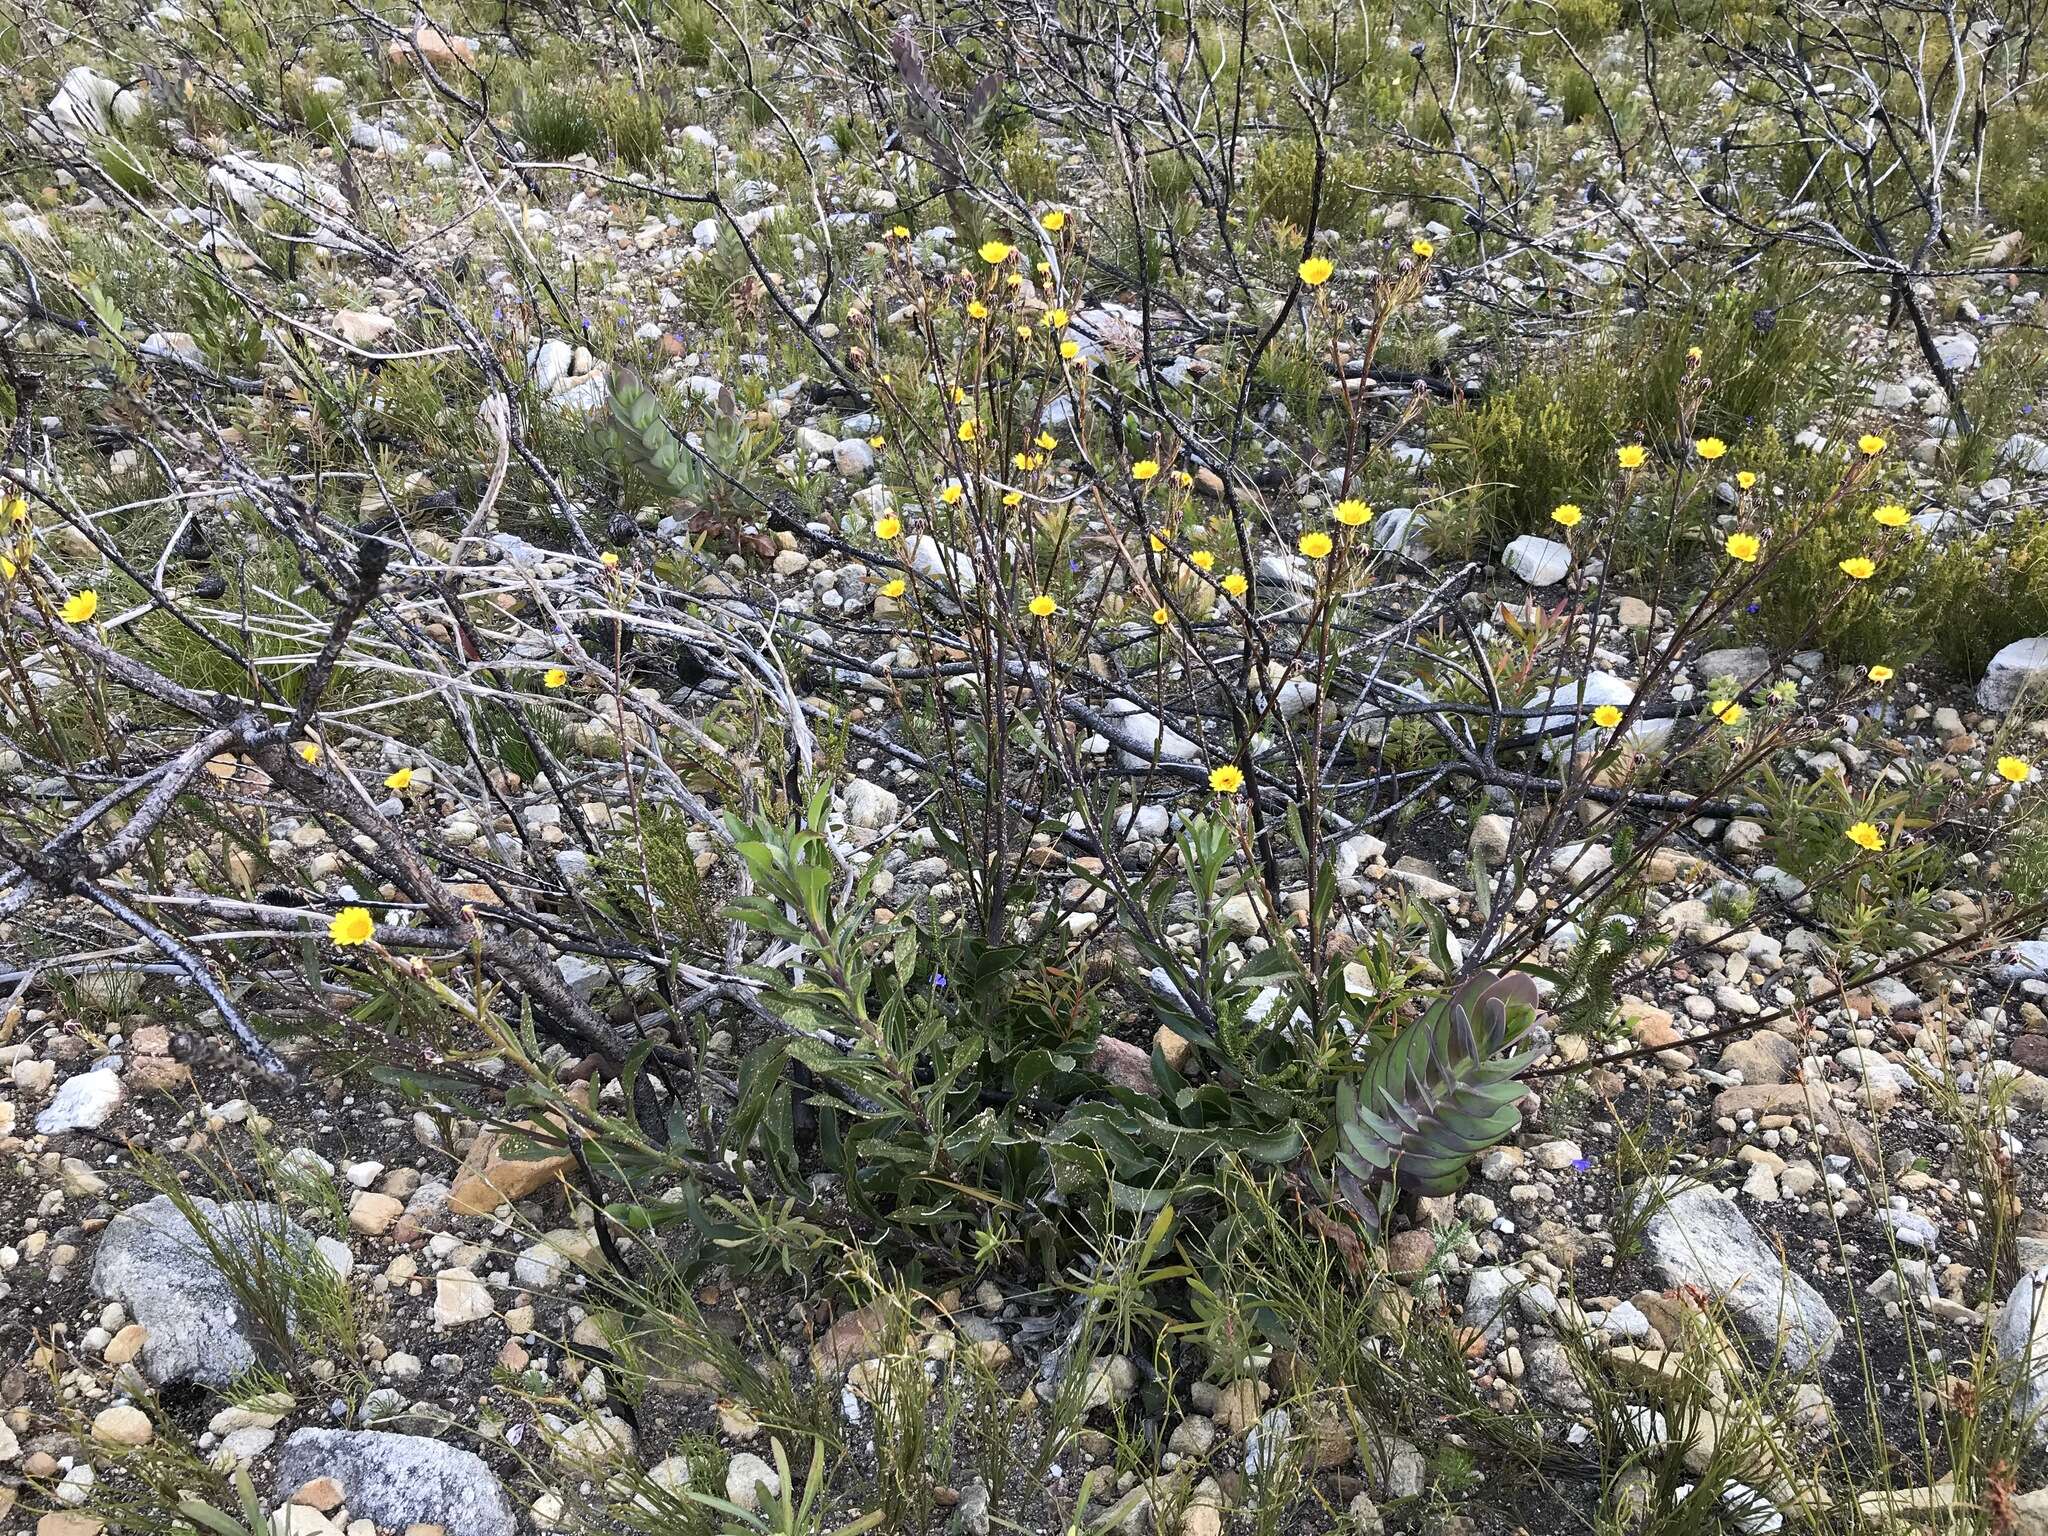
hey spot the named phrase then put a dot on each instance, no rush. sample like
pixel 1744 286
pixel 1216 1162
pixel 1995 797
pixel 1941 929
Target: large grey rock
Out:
pixel 399 1480
pixel 2020 667
pixel 1743 663
pixel 1699 1238
pixel 82 1103
pixel 2021 1336
pixel 154 1262
pixel 2024 451
pixel 1487 1300
pixel 1539 561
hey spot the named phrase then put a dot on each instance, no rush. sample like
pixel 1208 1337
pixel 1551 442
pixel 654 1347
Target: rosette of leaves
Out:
pixel 650 445
pixel 1444 1089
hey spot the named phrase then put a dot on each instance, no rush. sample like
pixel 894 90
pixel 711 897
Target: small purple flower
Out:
pixel 1581 1164
pixel 1755 608
pixel 938 979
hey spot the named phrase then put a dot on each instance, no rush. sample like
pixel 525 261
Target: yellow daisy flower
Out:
pixel 554 677
pixel 1235 584
pixel 1352 513
pixel 1881 673
pixel 1227 779
pixel 1070 349
pixel 1422 248
pixel 1567 515
pixel 1053 220
pixel 1160 616
pixel 1632 456
pixel 994 252
pixel 1203 559
pixel 2014 770
pixel 888 526
pixel 1746 478
pixel 1891 515
pixel 1607 717
pixel 1144 469
pixel 1866 836
pixel 399 780
pixel 1870 444
pixel 79 607
pixel 1043 607
pixel 1315 545
pixel 309 752
pixel 1744 547
pixel 351 926
pixel 895 586
pixel 1710 448
pixel 1858 568
pixel 1315 271
pixel 951 494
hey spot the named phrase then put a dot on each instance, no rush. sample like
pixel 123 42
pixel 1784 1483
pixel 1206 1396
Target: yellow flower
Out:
pixel 967 431
pixel 1160 616
pixel 1012 498
pixel 1891 515
pixel 1235 584
pixel 977 310
pixel 351 926
pixel 887 527
pixel 1422 248
pixel 994 252
pixel 1743 547
pixel 1144 469
pixel 554 677
pixel 1710 448
pixel 1633 456
pixel 1055 318
pixel 399 780
pixel 952 493
pixel 1023 333
pixel 894 587
pixel 1226 780
pixel 1871 444
pixel 1352 513
pixel 1693 354
pixel 1070 349
pixel 309 752
pixel 959 395
pixel 1607 717
pixel 2014 770
pixel 877 441
pixel 8 569
pixel 608 560
pixel 1043 607
pixel 899 232
pixel 1746 478
pixel 1857 568
pixel 79 607
pixel 1728 712
pixel 1053 220
pixel 1156 543
pixel 1567 514
pixel 1203 559
pixel 1881 673
pixel 1315 271
pixel 1864 835
pixel 1044 441
pixel 1014 280
pixel 17 509
pixel 1314 545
